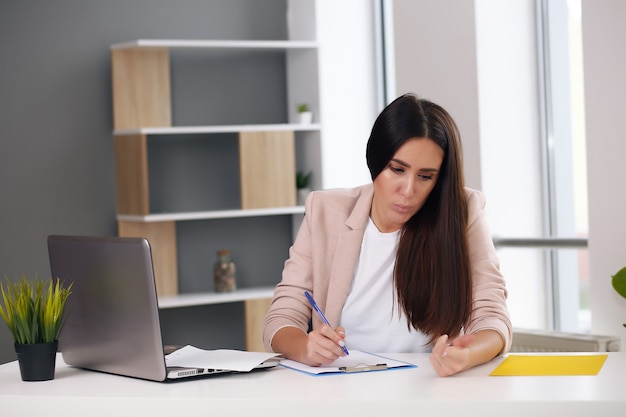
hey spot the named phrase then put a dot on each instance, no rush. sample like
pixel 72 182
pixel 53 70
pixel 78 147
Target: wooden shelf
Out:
pixel 207 215
pixel 206 298
pixel 215 44
pixel 176 130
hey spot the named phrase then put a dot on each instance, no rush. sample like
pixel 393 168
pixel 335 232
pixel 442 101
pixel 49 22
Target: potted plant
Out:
pixel 302 184
pixel 306 116
pixel 33 312
pixel 619 283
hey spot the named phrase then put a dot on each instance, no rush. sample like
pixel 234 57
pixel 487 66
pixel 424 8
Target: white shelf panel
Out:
pixel 215 44
pixel 207 215
pixel 181 130
pixel 206 298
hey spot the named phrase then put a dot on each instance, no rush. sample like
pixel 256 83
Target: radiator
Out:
pixel 548 341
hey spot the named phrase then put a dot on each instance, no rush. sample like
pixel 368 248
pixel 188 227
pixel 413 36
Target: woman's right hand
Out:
pixel 323 345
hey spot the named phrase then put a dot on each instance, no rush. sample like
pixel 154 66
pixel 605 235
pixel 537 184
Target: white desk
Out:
pixel 283 392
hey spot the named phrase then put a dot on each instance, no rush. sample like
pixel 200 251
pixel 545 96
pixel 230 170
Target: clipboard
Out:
pixel 355 362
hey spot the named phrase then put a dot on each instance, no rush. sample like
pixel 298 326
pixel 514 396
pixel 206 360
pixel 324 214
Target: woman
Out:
pixel 405 264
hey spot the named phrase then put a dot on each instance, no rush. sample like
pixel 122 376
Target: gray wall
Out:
pixel 56 147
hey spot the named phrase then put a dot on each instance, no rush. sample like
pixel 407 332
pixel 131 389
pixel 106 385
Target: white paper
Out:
pixel 231 360
pixel 354 359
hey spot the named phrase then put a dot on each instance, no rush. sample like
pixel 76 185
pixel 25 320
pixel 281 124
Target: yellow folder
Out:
pixel 544 365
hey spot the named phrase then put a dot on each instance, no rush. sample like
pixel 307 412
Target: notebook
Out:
pixel 112 316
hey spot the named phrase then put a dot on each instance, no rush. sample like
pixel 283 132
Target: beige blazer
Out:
pixel 326 250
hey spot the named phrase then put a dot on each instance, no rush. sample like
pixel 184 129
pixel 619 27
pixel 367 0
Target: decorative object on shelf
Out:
pixel 224 272
pixel 306 115
pixel 33 312
pixel 302 185
pixel 619 283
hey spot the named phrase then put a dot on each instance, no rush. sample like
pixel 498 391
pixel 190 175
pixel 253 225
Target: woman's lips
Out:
pixel 402 208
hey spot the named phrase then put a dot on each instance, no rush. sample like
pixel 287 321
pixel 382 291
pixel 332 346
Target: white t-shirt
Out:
pixel 371 316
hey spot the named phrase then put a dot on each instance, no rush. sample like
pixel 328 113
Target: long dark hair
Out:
pixel 432 274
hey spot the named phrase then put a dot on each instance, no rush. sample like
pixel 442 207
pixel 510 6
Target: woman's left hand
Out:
pixel 451 357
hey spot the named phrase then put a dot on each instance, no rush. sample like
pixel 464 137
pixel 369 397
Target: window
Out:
pixel 532 113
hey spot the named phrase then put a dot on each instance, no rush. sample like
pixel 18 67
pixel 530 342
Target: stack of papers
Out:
pixel 231 360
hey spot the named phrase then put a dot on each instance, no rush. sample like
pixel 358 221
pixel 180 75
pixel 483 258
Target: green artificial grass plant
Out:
pixel 33 309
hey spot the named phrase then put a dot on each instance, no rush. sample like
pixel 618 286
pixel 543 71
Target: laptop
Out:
pixel 112 316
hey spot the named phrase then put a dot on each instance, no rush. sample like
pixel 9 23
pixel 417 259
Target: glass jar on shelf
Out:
pixel 224 272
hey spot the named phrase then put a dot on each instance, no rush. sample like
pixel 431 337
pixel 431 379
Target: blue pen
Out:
pixel 322 316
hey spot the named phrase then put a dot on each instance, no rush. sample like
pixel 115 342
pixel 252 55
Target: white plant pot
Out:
pixel 302 195
pixel 306 117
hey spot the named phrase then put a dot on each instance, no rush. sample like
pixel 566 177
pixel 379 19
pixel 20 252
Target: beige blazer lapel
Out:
pixel 346 257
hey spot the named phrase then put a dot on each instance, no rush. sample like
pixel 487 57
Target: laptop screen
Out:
pixel 112 317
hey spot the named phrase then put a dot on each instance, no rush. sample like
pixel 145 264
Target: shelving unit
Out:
pixel 217 129
pixel 207 215
pixel 269 152
pixel 198 299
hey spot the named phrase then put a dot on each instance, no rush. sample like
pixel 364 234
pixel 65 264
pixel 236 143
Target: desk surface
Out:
pixel 284 392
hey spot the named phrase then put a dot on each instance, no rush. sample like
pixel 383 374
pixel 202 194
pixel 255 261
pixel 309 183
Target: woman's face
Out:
pixel 403 186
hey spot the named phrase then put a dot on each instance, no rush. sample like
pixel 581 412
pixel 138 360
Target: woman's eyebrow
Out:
pixel 401 162
pixel 398 161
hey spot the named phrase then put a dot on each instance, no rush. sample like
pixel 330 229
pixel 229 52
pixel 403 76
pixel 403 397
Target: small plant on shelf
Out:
pixel 303 179
pixel 302 184
pixel 306 115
